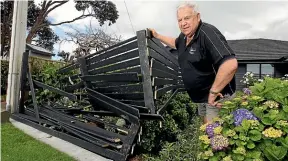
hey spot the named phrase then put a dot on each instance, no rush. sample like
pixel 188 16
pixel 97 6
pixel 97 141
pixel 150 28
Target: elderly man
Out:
pixel 207 63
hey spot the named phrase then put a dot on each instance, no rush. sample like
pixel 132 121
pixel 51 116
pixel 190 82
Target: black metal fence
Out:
pixel 123 81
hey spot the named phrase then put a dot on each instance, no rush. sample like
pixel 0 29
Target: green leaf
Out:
pixel 266 120
pixel 255 135
pixel 261 127
pixel 277 152
pixel 240 143
pixel 250 145
pixel 239 129
pixel 273 114
pixel 214 158
pixel 245 124
pixel 235 136
pixel 284 142
pixel 281 116
pixel 231 141
pixel 255 154
pixel 285 108
pixel 269 156
pixel 238 157
pixel 258 112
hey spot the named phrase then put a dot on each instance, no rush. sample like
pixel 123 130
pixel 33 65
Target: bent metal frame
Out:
pixel 122 81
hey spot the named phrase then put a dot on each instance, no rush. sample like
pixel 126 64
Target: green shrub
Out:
pixel 179 115
pixel 37 65
pixel 253 126
pixel 184 149
pixel 4 76
pixel 49 76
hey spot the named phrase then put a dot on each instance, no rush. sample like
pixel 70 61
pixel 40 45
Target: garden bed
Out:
pixel 251 127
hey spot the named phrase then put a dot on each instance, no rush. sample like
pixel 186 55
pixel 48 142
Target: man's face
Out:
pixel 187 20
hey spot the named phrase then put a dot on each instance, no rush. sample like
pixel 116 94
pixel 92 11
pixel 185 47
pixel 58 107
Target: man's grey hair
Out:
pixel 192 5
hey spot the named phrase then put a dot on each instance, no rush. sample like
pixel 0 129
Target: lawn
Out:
pixel 18 146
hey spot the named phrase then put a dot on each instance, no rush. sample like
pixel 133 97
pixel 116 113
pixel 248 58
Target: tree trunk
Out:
pixel 36 27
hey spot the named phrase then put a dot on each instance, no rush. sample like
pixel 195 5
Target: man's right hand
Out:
pixel 170 41
pixel 154 33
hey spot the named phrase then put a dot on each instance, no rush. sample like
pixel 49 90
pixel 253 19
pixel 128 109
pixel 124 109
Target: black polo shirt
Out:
pixel 200 60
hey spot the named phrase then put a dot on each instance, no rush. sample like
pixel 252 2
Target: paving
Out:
pixel 74 151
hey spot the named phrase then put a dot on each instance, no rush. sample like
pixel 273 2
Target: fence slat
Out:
pixel 162 59
pixel 115 77
pixel 116 51
pixel 126 64
pixel 116 59
pixel 157 65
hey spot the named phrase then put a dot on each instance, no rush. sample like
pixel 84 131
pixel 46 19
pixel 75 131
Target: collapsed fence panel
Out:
pixel 123 81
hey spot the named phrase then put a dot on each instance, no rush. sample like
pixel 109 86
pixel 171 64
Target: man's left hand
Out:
pixel 212 98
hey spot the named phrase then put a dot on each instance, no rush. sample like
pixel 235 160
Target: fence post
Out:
pixel 16 51
pixel 23 80
pixel 145 70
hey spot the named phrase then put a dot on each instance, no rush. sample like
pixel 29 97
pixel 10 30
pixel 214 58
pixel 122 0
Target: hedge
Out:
pixel 37 65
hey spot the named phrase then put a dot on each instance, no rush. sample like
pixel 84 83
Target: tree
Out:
pixel 90 40
pixel 45 37
pixel 38 25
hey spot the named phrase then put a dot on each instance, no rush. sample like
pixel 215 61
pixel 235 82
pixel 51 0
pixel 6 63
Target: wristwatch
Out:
pixel 212 92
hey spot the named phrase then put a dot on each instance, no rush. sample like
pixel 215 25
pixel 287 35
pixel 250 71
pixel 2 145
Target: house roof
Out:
pixel 39 50
pixel 257 49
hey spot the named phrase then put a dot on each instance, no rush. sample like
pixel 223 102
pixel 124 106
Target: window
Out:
pixel 261 70
pixel 255 69
pixel 267 69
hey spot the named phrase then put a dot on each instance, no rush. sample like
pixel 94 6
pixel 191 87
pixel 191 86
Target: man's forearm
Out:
pixel 170 41
pixel 224 75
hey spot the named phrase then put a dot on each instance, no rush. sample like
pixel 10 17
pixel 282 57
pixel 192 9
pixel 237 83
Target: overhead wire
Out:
pixel 129 18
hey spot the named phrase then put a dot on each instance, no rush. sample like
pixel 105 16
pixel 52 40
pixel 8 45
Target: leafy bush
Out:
pixel 37 65
pixel 179 115
pixel 184 149
pixel 49 76
pixel 253 126
pixel 4 76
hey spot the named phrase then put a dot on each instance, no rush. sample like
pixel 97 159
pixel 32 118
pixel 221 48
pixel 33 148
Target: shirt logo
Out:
pixel 192 51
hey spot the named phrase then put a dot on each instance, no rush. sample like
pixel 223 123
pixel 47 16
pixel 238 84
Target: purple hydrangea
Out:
pixel 247 91
pixel 241 114
pixel 219 142
pixel 210 129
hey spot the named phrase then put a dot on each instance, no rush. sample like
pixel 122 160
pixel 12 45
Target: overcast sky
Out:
pixel 236 20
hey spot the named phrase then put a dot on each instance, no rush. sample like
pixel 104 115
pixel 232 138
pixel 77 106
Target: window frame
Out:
pixel 260 69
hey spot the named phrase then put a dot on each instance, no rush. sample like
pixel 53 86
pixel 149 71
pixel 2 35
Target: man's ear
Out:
pixel 198 17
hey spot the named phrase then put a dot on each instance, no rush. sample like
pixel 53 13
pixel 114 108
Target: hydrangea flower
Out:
pixel 271 104
pixel 210 129
pixel 217 130
pixel 247 91
pixel 231 133
pixel 245 103
pixel 237 99
pixel 254 123
pixel 227 158
pixel 272 133
pixel 218 120
pixel 219 142
pixel 241 114
pixel 240 150
pixel 208 153
pixel 256 98
pixel 205 139
pixel 203 127
pixel 282 123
